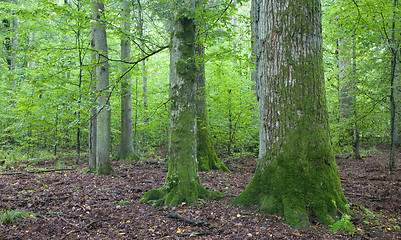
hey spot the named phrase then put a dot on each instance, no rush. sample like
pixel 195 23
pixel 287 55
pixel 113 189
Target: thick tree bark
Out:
pixel 297 175
pixel 207 157
pixel 103 165
pixel 182 182
pixel 126 150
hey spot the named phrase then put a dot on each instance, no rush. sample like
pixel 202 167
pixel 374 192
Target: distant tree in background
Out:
pixel 103 165
pixel 126 150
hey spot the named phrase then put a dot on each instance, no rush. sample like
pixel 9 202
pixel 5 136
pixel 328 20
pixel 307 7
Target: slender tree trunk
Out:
pixel 126 144
pixel 11 48
pixel 182 181
pixel 32 39
pixel 393 130
pixel 347 94
pixel 103 165
pixel 357 154
pixel 207 157
pixel 297 175
pixel 14 46
pixel 144 78
pixel 78 42
pixel 93 112
pixel 255 41
pixel 397 120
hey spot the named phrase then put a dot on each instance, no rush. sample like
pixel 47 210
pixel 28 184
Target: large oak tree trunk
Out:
pixel 297 175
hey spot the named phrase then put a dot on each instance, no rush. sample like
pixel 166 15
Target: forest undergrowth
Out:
pixel 39 202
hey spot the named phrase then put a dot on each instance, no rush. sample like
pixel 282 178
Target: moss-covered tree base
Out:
pixel 178 194
pixel 208 160
pixel 298 187
pixel 127 156
pixel 105 170
pixel 300 181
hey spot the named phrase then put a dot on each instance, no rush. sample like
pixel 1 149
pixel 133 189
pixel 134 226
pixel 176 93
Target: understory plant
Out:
pixel 11 216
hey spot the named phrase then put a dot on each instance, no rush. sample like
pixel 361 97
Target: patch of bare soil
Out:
pixel 72 204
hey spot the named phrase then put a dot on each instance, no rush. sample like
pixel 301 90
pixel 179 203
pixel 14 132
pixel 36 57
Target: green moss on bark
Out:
pixel 178 194
pixel 297 176
pixel 303 181
pixel 127 156
pixel 182 182
pixel 207 157
pixel 106 169
pixel 301 178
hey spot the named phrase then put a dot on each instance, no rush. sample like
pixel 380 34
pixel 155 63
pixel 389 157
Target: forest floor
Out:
pixel 72 204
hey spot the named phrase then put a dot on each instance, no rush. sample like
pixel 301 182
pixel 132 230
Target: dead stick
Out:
pixel 70 232
pixel 71 224
pixel 185 219
pixel 39 171
pixel 194 234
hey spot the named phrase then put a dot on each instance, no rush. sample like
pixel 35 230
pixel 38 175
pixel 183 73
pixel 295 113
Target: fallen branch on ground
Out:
pixel 39 171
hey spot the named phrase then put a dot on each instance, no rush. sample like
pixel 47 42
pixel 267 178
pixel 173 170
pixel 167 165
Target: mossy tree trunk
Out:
pixel 207 157
pixel 297 175
pixel 182 182
pixel 126 150
pixel 103 165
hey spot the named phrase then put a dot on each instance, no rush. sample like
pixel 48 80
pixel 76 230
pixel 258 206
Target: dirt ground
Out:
pixel 72 204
